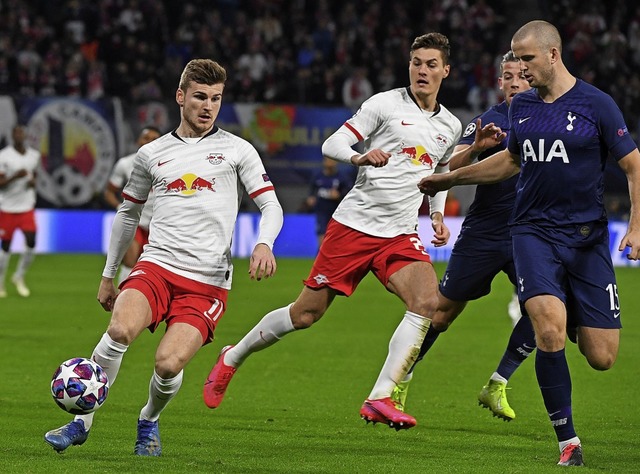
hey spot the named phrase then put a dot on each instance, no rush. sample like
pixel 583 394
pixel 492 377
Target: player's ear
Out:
pixel 180 97
pixel 447 68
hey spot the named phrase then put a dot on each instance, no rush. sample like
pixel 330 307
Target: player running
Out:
pixel 561 134
pixel 483 248
pixel 408 135
pixel 185 272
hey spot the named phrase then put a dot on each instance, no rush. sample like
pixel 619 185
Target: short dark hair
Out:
pixel 509 57
pixel 433 41
pixel 202 71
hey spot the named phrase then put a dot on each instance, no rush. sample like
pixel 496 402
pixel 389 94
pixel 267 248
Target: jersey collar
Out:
pixel 211 132
pixel 415 101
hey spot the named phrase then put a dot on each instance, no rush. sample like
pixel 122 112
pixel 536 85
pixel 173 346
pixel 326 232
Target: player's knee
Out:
pixel 601 360
pixel 439 323
pixel 443 317
pixel 550 339
pixel 120 333
pixel 168 365
pixel 305 319
pixel 424 305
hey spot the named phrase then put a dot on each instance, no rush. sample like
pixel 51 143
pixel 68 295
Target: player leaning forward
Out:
pixel 562 131
pixel 184 273
pixel 408 135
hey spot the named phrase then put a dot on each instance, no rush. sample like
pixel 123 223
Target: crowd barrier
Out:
pixel 76 231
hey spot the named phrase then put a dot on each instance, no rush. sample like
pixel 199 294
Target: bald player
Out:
pixel 561 134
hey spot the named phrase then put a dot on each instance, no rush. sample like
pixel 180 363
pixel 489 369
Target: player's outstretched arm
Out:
pixel 496 168
pixel 630 164
pixel 107 293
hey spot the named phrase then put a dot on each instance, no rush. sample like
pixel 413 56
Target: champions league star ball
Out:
pixel 79 386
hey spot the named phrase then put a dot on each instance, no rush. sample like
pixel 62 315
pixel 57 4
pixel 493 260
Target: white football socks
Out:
pixel 161 392
pixel 563 444
pixel 25 262
pixel 4 263
pixel 498 378
pixel 268 331
pixel 404 348
pixel 108 354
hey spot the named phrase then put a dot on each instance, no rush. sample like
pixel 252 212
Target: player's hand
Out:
pixel 631 240
pixel 107 293
pixel 21 173
pixel 262 263
pixel 375 158
pixel 487 137
pixel 441 232
pixel 432 185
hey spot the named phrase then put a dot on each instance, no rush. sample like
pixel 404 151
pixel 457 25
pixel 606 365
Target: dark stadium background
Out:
pixel 127 56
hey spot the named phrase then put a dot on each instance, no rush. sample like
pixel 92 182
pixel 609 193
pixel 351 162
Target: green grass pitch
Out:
pixel 293 408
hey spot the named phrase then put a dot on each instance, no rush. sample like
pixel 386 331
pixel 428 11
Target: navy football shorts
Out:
pixel 473 265
pixel 583 278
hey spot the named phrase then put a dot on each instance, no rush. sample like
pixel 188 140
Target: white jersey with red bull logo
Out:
pixel 198 186
pixel 384 202
pixel 118 179
pixel 18 196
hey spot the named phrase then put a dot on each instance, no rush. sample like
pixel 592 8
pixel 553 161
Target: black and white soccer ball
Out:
pixel 79 386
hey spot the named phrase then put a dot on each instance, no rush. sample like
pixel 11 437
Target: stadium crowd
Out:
pixel 324 52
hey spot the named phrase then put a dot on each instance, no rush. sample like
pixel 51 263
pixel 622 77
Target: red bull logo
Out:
pixel 418 155
pixel 189 184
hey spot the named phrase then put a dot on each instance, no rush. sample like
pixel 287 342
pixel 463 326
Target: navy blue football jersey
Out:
pixel 563 147
pixel 492 206
pixel 321 187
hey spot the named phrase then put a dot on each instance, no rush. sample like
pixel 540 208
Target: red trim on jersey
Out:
pixel 355 132
pixel 261 191
pixel 132 199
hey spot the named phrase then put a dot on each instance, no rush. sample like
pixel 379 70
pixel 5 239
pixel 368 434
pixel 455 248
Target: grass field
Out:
pixel 294 407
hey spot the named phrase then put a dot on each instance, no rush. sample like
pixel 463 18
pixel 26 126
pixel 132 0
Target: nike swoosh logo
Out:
pixel 529 348
pixel 523 119
pixel 555 413
pixel 405 123
pixel 161 163
pixel 615 315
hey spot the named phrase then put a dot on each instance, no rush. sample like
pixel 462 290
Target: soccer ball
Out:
pixel 79 386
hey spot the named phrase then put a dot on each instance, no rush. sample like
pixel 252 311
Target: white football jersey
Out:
pixel 198 185
pixel 384 202
pixel 118 179
pixel 18 195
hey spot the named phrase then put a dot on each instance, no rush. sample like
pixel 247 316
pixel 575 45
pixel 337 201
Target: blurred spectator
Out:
pixel 356 89
pixel 288 48
pixel 451 205
pixel 254 62
pixel 482 95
